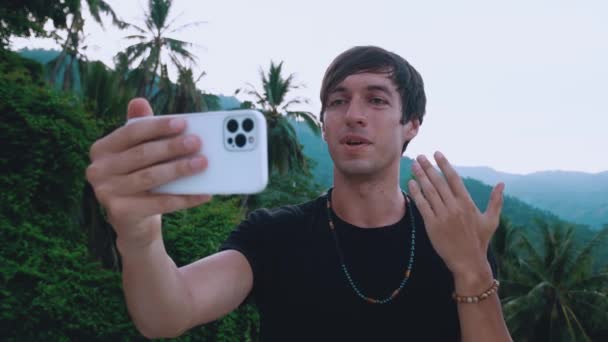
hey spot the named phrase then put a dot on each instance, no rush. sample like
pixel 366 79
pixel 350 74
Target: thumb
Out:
pixel 495 204
pixel 139 107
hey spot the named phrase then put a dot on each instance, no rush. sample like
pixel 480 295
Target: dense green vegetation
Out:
pixel 59 270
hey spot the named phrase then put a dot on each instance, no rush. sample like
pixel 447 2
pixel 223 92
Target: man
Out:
pixel 362 262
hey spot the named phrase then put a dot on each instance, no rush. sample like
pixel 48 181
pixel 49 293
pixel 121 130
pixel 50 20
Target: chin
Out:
pixel 357 167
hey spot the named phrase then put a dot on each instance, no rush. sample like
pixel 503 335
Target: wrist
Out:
pixel 473 281
pixel 128 247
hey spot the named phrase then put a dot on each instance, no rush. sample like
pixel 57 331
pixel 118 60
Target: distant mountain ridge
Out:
pixel 574 196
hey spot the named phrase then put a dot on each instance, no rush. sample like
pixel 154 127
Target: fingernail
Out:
pixel 197 163
pixel 190 142
pixel 421 158
pixel 177 123
pixel 439 154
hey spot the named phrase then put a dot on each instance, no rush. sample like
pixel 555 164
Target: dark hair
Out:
pixel 361 59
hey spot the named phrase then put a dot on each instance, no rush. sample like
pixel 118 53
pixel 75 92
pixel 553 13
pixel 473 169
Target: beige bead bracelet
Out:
pixel 479 298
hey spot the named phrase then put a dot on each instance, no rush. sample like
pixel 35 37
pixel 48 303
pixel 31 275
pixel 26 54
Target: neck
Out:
pixel 368 203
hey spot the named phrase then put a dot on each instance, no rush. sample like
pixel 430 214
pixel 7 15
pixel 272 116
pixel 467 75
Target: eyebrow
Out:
pixel 373 87
pixel 381 88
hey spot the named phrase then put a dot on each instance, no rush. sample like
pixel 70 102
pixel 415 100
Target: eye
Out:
pixel 336 102
pixel 378 101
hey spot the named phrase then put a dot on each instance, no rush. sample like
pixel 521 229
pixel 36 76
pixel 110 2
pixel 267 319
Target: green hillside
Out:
pixel 574 196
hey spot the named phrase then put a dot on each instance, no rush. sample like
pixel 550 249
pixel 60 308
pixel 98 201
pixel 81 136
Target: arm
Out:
pixel 166 301
pixel 162 299
pixel 461 234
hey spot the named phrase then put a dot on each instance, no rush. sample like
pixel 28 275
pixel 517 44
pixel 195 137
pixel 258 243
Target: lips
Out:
pixel 354 140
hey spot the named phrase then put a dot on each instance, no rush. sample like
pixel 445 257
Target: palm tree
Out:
pixel 503 247
pixel 104 95
pixel 284 151
pixel 153 41
pixel 68 66
pixel 182 97
pixel 554 291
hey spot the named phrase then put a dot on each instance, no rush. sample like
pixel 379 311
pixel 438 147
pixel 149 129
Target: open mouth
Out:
pixel 355 143
pixel 354 140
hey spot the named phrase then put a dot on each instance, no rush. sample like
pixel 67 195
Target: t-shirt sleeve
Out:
pixel 248 238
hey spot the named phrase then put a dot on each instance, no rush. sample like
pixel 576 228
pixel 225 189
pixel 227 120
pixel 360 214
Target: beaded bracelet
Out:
pixel 477 299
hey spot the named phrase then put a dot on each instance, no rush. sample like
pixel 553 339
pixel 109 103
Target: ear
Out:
pixel 323 131
pixel 410 129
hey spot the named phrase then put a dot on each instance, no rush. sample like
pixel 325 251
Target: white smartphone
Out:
pixel 234 143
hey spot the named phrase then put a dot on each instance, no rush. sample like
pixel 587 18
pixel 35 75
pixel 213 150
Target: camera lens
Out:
pixel 241 140
pixel 229 141
pixel 233 125
pixel 247 125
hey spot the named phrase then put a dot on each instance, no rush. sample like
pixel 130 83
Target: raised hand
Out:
pixel 458 231
pixel 136 158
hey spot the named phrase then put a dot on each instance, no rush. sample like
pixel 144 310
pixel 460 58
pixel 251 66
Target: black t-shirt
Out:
pixel 302 293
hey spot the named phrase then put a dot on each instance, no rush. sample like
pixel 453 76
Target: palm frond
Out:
pixel 568 313
pixel 98 6
pixel 589 248
pixel 137 28
pixel 310 120
pixel 296 100
pixel 136 36
pixel 169 24
pixel 599 280
pixel 528 248
pixel 522 310
pixel 179 47
pixel 137 50
pixel 185 26
pixel 159 11
pixel 563 252
pixel 94 9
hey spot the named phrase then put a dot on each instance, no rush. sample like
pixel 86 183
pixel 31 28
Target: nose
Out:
pixel 355 113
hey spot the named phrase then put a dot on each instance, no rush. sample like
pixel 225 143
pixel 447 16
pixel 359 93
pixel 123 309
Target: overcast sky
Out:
pixel 520 86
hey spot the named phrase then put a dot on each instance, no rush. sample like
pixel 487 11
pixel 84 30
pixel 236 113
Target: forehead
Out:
pixel 366 81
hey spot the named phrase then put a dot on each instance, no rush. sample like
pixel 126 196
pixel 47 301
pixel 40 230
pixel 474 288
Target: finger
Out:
pixel 150 153
pixel 154 204
pixel 139 107
pixel 437 180
pixel 157 175
pixel 495 203
pixel 135 133
pixel 423 205
pixel 428 189
pixel 454 181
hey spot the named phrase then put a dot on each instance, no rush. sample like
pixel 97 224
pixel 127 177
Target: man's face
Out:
pixel 362 125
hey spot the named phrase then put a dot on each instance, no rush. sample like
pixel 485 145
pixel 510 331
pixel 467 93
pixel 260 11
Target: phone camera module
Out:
pixel 247 125
pixel 241 140
pixel 233 125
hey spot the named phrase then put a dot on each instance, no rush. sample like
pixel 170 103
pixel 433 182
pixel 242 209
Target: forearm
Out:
pixel 157 297
pixel 481 321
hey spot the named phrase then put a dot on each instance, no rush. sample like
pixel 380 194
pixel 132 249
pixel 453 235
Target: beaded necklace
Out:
pixel 410 265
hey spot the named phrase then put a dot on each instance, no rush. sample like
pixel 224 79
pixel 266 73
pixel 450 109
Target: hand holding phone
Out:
pixel 235 146
pixel 143 169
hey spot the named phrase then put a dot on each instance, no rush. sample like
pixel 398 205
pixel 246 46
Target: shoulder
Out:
pixel 264 227
pixel 288 213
